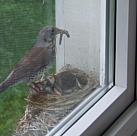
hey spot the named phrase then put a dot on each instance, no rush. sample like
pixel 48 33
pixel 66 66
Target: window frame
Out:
pixel 109 107
pixel 100 116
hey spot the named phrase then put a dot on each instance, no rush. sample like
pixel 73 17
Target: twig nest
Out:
pixel 45 111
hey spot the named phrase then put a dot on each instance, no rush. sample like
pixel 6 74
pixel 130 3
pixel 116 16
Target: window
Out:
pixel 90 48
pixel 121 95
pixel 94 67
pixel 109 107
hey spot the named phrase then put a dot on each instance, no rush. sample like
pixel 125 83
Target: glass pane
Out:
pixel 62 90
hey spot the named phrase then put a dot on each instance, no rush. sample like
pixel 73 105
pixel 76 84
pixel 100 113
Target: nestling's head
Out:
pixel 48 34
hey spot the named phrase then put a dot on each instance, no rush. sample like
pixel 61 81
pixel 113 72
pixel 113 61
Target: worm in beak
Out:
pixel 61 32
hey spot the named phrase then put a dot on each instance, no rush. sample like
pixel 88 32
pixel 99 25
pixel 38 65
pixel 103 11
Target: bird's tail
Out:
pixel 4 85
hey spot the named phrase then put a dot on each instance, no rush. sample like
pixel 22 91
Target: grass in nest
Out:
pixel 20 21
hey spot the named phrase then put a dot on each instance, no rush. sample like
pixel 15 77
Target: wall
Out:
pixel 83 21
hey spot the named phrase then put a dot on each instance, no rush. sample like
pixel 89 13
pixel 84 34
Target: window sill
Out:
pixel 126 124
pixel 100 116
pixel 102 110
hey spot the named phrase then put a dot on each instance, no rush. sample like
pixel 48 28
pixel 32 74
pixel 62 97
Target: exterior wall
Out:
pixel 82 19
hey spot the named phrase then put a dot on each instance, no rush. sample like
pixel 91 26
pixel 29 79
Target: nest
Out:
pixel 45 111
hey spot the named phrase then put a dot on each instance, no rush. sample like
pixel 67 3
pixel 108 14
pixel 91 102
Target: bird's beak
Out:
pixel 61 32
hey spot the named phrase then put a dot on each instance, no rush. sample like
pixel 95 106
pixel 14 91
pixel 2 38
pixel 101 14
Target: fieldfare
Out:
pixel 37 59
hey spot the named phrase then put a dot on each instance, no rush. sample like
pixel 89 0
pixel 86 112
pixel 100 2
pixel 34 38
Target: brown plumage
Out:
pixel 39 57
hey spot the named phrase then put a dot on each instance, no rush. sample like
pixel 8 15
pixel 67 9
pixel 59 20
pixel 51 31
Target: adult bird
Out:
pixel 36 60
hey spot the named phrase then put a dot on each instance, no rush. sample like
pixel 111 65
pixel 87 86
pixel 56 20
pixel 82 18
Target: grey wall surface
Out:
pixel 83 21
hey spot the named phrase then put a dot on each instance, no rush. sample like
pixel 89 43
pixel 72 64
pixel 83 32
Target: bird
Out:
pixel 41 55
pixel 65 81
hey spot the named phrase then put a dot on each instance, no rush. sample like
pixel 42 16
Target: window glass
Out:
pixel 48 84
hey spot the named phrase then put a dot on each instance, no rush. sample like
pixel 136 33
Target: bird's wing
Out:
pixel 33 62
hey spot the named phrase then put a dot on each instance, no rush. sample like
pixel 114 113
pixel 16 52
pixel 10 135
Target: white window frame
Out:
pixel 99 117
